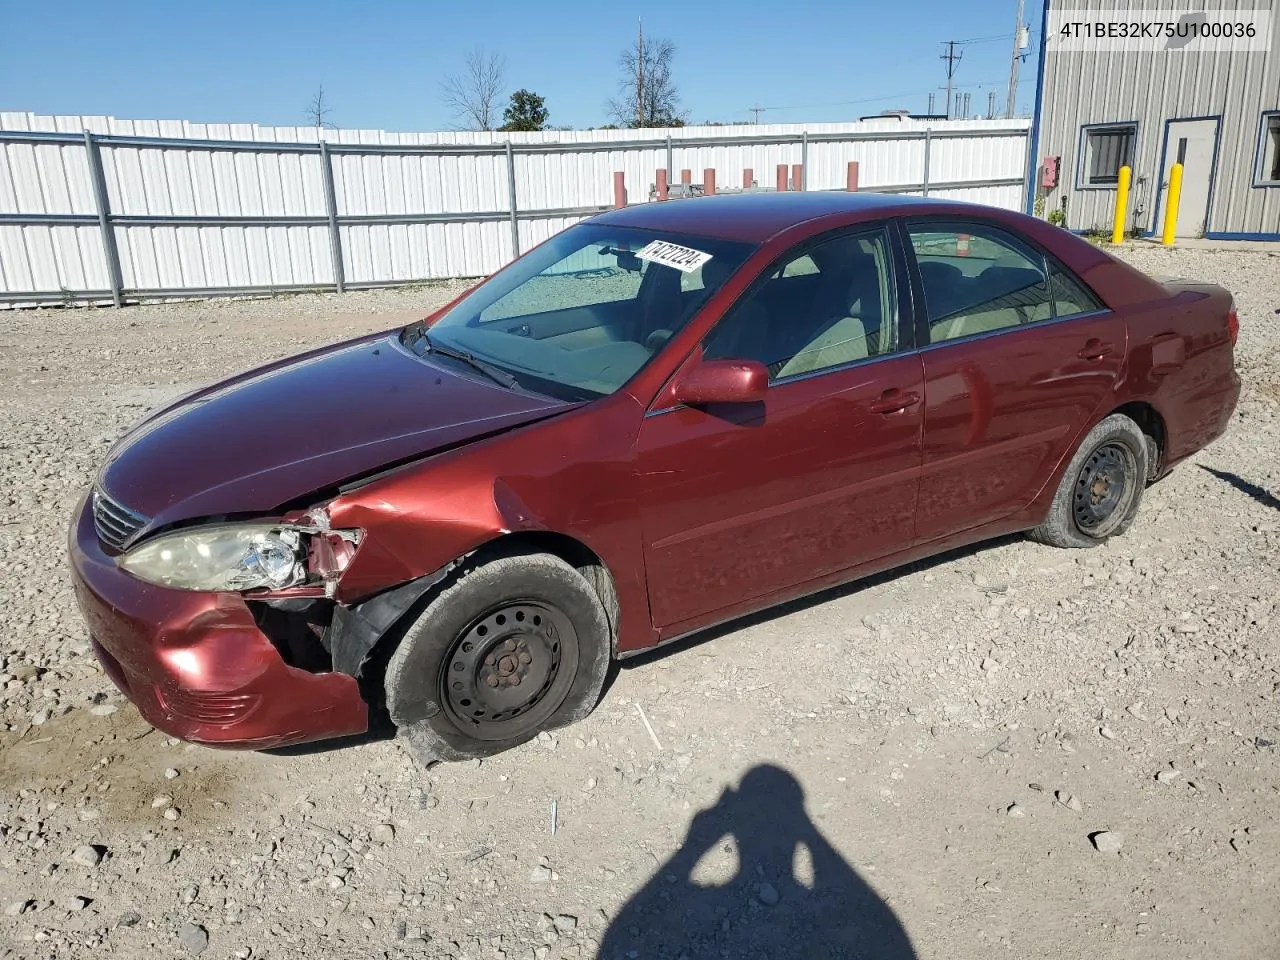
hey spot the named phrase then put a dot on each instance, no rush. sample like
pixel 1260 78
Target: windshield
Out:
pixel 581 314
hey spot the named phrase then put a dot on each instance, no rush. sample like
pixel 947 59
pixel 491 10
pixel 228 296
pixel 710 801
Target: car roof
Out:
pixel 756 217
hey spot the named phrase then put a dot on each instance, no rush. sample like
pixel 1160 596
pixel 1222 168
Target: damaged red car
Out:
pixel 659 420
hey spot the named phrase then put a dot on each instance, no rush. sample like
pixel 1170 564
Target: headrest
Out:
pixel 715 272
pixel 1008 279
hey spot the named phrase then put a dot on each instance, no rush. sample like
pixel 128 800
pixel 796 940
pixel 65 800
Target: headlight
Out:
pixel 241 556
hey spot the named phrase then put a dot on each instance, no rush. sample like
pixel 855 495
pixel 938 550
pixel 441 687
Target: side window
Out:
pixel 976 280
pixel 1070 296
pixel 830 305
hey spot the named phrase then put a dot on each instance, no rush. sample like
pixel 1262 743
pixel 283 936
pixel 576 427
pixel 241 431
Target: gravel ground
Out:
pixel 1009 752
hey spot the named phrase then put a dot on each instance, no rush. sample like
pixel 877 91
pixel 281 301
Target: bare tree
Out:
pixel 319 109
pixel 648 95
pixel 475 94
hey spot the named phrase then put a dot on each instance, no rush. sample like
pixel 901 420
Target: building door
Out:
pixel 1193 143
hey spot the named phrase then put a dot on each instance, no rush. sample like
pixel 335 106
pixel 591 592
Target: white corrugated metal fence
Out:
pixel 99 209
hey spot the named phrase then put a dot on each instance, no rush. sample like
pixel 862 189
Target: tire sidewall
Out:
pixel 413 676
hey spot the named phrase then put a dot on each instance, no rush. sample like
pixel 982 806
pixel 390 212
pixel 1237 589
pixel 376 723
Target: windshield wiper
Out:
pixel 494 373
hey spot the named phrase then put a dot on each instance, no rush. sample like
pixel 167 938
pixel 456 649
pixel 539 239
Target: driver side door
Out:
pixel 747 502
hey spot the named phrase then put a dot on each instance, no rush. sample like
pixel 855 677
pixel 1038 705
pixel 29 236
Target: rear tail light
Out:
pixel 1233 323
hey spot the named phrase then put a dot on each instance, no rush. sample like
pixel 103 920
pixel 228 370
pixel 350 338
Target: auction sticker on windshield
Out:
pixel 684 259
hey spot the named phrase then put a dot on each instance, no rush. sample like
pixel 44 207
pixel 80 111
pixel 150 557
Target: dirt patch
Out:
pixel 923 766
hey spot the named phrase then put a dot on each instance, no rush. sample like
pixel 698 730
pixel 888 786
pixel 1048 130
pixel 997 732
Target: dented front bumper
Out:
pixel 198 666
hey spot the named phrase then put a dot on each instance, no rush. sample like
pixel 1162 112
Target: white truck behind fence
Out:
pixel 104 210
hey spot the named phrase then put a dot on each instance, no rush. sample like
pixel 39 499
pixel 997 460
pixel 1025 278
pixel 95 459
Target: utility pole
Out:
pixel 1020 41
pixel 991 104
pixel 640 73
pixel 952 57
pixel 756 110
pixel 930 110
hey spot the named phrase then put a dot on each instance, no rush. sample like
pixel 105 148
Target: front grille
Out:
pixel 116 524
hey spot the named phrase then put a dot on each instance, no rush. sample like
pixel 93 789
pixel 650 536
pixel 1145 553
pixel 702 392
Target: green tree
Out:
pixel 526 111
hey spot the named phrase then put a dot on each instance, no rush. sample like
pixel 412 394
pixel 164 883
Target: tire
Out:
pixel 458 685
pixel 1089 507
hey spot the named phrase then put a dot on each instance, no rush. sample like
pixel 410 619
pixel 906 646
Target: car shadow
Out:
pixel 1261 494
pixel 380 728
pixel 813 600
pixel 790 895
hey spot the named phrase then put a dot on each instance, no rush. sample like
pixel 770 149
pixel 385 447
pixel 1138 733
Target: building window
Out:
pixel 1106 150
pixel 1269 150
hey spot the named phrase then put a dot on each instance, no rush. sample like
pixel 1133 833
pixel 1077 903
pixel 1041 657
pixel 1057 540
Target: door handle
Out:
pixel 894 400
pixel 1095 350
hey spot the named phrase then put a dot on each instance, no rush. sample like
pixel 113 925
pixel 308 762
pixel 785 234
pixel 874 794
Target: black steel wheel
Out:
pixel 1103 485
pixel 510 645
pixel 510 669
pixel 1101 488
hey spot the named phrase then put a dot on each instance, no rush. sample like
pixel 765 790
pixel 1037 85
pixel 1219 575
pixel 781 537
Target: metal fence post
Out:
pixel 110 252
pixel 671 170
pixel 804 161
pixel 511 193
pixel 1028 174
pixel 928 143
pixel 331 209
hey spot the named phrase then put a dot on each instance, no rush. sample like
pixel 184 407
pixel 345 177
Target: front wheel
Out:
pixel 511 646
pixel 1102 487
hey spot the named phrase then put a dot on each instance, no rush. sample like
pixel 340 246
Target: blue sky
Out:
pixel 382 61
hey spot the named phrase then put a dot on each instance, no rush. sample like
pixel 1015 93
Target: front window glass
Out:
pixel 580 315
pixel 827 307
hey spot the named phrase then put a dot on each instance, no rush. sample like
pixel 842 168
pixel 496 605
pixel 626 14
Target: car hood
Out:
pixel 260 440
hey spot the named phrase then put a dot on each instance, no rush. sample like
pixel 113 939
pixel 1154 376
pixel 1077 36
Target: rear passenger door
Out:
pixel 1018 357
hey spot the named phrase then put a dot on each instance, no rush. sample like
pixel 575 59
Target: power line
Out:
pixel 991 39
pixel 757 109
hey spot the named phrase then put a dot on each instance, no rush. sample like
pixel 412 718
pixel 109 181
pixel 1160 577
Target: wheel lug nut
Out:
pixel 491 680
pixel 525 658
pixel 490 660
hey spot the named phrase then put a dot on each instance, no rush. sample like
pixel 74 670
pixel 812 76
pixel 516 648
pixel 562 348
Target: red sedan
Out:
pixel 660 419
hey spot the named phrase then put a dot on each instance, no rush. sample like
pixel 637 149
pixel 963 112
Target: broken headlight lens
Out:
pixel 230 557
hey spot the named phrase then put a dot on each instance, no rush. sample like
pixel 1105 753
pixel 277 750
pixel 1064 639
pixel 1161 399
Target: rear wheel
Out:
pixel 1102 487
pixel 511 646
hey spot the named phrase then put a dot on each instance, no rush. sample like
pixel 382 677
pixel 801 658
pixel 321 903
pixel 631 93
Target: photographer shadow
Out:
pixel 792 897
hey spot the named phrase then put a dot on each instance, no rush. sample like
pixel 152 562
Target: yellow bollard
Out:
pixel 1122 205
pixel 1171 205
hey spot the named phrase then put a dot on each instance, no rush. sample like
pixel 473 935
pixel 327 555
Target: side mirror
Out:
pixel 723 381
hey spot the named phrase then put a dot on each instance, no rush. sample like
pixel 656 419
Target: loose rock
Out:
pixel 193 937
pixel 1105 841
pixel 88 855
